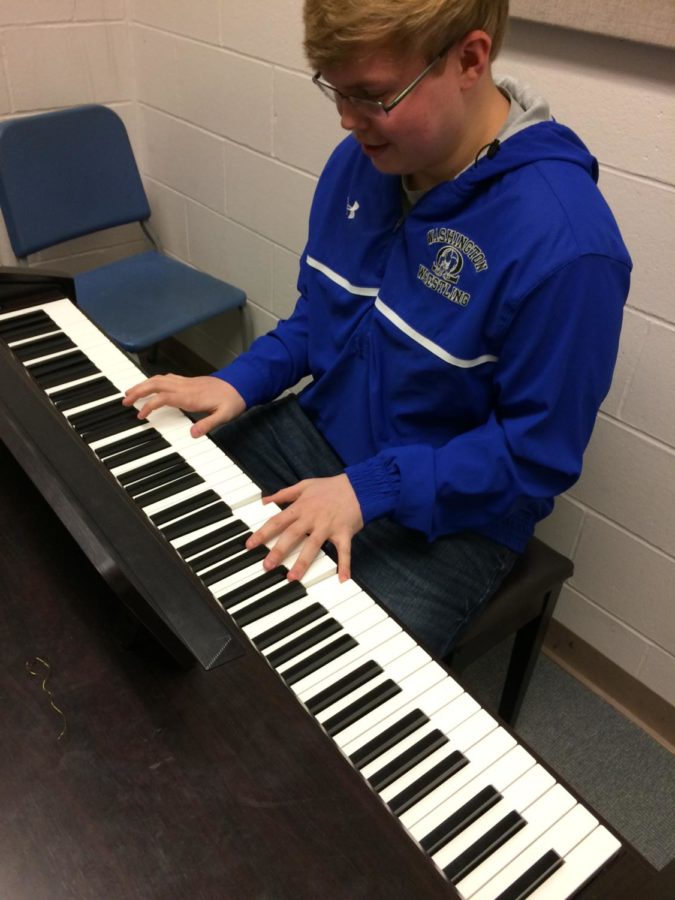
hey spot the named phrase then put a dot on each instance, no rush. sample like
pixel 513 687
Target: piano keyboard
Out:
pixel 492 819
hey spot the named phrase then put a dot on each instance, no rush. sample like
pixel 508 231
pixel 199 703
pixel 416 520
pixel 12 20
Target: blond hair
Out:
pixel 335 29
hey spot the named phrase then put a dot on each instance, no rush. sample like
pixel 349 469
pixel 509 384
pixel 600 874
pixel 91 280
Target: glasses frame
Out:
pixel 373 107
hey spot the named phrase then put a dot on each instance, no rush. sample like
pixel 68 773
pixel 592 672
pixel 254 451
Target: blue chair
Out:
pixel 72 172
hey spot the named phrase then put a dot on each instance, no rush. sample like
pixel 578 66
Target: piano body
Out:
pixel 313 750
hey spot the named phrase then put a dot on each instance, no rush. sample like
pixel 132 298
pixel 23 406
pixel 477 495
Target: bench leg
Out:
pixel 526 647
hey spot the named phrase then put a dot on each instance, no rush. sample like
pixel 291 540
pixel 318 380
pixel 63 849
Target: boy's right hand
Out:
pixel 203 393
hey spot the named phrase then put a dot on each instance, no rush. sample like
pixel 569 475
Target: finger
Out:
pixel 144 388
pixel 310 550
pixel 157 401
pixel 287 543
pixel 285 495
pixel 207 424
pixel 133 393
pixel 344 552
pixel 272 527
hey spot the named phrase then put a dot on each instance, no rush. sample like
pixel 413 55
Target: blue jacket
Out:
pixel 459 354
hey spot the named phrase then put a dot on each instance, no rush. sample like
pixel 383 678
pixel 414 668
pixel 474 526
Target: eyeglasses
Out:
pixel 367 105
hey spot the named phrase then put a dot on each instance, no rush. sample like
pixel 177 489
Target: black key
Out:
pixel 81 420
pixel 95 419
pixel 165 463
pixel 127 443
pixel 166 476
pixel 253 587
pixel 424 785
pixel 138 451
pixel 184 507
pixel 461 819
pixel 288 626
pixel 118 426
pixel 492 840
pixel 316 660
pixel 169 489
pixel 389 738
pixel 68 367
pixel 303 642
pixel 237 564
pixel 343 687
pixel 361 707
pixel 217 536
pixel 220 553
pixel 405 761
pixel 96 389
pixel 60 364
pixel 208 515
pixel 17 328
pixel 282 596
pixel 43 346
pixel 535 876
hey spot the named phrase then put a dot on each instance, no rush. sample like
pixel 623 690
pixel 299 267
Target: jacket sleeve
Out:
pixel 274 362
pixel 554 370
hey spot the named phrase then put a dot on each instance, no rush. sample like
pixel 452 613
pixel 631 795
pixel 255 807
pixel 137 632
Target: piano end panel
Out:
pixel 156 588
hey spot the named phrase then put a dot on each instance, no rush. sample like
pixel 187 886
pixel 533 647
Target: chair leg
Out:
pixel 524 655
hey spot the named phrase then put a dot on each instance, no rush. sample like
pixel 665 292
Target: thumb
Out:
pixel 203 426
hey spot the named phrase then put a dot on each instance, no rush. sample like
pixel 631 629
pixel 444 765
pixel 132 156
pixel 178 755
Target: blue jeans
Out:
pixel 434 589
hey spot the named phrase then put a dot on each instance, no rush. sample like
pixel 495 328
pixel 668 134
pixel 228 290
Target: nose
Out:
pixel 351 118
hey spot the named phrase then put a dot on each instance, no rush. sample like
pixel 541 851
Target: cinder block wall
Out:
pixel 234 135
pixel 61 53
pixel 618 522
pixel 231 135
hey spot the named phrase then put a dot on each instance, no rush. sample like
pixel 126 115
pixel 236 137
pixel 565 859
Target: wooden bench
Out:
pixel 522 606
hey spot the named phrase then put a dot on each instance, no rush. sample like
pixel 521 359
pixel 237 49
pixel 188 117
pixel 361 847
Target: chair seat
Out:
pixel 143 299
pixel 523 607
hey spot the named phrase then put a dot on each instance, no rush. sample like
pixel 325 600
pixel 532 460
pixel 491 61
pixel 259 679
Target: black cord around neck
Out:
pixel 492 149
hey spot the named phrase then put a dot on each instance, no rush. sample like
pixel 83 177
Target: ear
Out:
pixel 473 54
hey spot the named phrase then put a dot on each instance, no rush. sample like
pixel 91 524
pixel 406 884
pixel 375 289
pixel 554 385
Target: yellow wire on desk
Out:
pixel 32 670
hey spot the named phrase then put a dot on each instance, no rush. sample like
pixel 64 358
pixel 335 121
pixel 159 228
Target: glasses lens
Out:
pixel 361 104
pixel 328 91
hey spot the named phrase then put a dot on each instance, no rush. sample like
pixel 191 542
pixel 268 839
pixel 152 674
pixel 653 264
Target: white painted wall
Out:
pixel 231 135
pixel 62 53
pixel 618 522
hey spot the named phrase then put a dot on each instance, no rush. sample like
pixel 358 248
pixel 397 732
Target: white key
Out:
pixel 74 383
pixel 445 696
pixel 464 735
pixel 251 515
pixel 444 720
pixel 414 686
pixel 316 593
pixel 376 646
pixel 515 765
pixel 581 864
pixel 397 671
pixel 541 814
pixel 516 798
pixel 365 623
pixel 140 461
pixel 90 405
pixel 562 837
pixel 497 743
pixel 272 620
pixel 320 568
pixel 112 438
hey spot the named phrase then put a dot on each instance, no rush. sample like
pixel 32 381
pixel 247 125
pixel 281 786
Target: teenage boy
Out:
pixel 460 305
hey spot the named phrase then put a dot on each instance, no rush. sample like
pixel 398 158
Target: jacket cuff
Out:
pixel 376 483
pixel 243 380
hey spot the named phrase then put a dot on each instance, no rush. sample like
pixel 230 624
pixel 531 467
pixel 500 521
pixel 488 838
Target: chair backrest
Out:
pixel 65 174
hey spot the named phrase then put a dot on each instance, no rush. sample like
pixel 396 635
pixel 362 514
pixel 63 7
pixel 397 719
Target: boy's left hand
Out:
pixel 318 510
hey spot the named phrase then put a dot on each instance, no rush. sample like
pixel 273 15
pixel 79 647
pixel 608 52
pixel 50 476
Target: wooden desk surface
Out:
pixel 170 784
pixel 167 784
